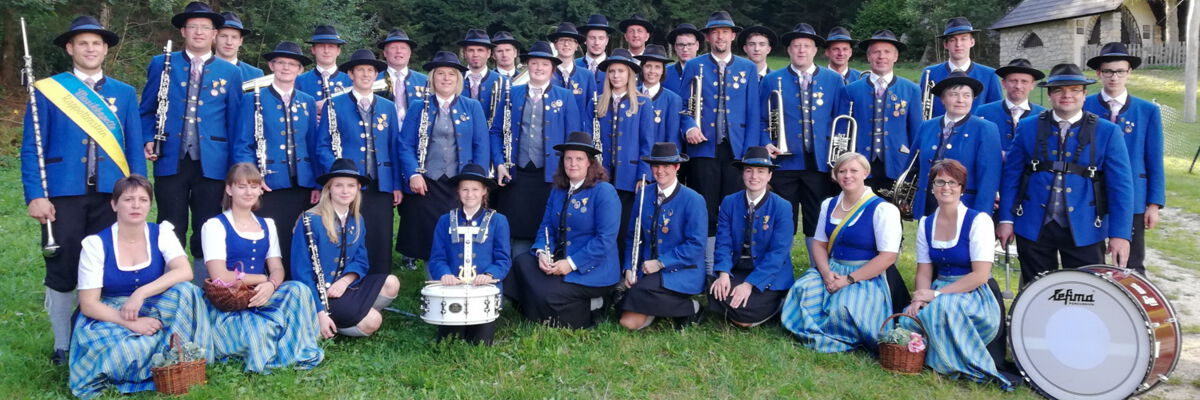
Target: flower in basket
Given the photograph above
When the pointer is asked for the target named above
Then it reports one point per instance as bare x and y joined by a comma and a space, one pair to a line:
899, 336
191, 352
916, 342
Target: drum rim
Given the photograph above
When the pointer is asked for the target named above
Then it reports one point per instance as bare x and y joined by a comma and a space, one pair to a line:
1145, 316
488, 318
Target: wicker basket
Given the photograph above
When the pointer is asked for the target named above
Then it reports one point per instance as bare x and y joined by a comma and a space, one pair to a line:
228, 299
177, 378
897, 358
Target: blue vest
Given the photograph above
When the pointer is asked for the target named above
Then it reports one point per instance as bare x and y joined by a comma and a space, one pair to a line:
249, 71
281, 135
66, 158
997, 113
671, 124
742, 105
582, 85
491, 252
982, 73
770, 239
560, 116
1141, 122
1035, 141
351, 244
252, 254
806, 114
490, 86
118, 283
381, 128
583, 227
310, 83
954, 261
893, 120
470, 128
216, 118
673, 233
975, 144
626, 137
854, 242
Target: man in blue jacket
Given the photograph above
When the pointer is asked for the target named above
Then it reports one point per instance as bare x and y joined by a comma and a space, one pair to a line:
958, 38
1017, 78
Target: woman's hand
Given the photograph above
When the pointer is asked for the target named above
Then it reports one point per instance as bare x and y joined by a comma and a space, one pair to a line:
720, 287
630, 277
923, 295
262, 293
449, 280
144, 326
839, 282
338, 288
483, 279
328, 328
132, 307
914, 308
741, 295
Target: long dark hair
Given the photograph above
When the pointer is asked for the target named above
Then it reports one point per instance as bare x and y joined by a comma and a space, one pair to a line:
595, 173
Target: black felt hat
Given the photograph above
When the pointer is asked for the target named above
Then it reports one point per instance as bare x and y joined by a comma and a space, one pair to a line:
473, 172
1066, 75
362, 57
621, 56
684, 29
476, 37
565, 29
957, 78
654, 52
636, 19
326, 34
596, 22
396, 35
289, 50
578, 141
756, 156
541, 49
1020, 66
803, 30
882, 36
957, 25
87, 24
197, 9
444, 59
344, 167
665, 153
1115, 51
744, 35
233, 22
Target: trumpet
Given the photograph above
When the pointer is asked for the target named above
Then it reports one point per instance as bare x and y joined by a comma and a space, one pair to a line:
596, 131
927, 98
905, 189
50, 248
315, 256
844, 142
423, 134
775, 123
334, 133
696, 102
164, 86
260, 139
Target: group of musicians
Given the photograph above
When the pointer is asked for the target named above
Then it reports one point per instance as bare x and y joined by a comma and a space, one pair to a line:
619, 180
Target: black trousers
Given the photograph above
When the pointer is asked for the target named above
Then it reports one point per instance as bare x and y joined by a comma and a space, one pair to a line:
523, 201
75, 217
419, 216
627, 203
714, 178
189, 192
549, 298
760, 306
879, 179
998, 345
1137, 246
1053, 242
285, 206
901, 297
378, 220
804, 190
473, 334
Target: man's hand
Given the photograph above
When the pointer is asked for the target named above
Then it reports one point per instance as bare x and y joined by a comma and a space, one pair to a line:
695, 137
42, 210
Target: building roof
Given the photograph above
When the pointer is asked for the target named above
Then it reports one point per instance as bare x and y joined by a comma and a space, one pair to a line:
1035, 11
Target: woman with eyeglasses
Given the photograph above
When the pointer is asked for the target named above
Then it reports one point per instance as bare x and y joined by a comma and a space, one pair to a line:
961, 136
961, 315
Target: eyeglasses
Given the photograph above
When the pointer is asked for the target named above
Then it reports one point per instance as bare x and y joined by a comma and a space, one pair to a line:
285, 63
943, 183
201, 28
1109, 73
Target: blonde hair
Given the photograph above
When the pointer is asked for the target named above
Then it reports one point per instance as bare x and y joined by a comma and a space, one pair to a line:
631, 92
458, 77
325, 210
848, 157
241, 172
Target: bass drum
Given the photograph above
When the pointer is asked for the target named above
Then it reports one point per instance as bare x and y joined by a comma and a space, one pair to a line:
460, 304
1096, 332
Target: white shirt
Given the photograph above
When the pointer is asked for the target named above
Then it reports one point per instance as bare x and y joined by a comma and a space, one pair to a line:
566, 68
1023, 106
652, 91
587, 59
886, 221
212, 238
887, 78
982, 236
762, 71
956, 67
91, 258
811, 70
444, 101
1073, 119
1121, 99
669, 190
618, 96
507, 72
331, 70
359, 96
203, 57
949, 121
398, 75
575, 186
726, 60
283, 93
545, 88
841, 72
755, 200
83, 77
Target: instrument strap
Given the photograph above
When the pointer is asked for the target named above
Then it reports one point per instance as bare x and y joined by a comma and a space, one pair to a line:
88, 110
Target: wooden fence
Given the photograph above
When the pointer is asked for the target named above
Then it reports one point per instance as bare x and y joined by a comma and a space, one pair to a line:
1155, 54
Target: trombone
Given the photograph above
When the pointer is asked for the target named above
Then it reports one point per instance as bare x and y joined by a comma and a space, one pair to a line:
842, 143
775, 122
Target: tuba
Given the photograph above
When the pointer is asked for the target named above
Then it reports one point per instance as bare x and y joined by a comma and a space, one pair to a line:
775, 122
905, 190
927, 98
842, 143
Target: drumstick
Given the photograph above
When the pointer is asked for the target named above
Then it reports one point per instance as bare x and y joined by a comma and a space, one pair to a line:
1008, 294
492, 281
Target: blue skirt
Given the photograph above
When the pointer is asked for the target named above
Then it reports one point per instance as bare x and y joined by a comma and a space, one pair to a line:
281, 333
848, 318
106, 354
960, 326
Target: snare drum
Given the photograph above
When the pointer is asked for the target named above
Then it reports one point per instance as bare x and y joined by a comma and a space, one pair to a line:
1096, 332
460, 304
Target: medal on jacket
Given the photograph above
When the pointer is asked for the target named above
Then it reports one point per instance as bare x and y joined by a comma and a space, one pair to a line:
658, 116
665, 221
583, 209
820, 98
765, 219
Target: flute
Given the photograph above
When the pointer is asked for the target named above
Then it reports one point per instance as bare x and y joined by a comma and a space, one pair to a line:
50, 247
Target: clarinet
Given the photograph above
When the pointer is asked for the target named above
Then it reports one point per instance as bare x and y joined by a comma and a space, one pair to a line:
507, 125
164, 86
314, 255
50, 248
334, 134
637, 227
596, 131
260, 139
423, 135
491, 114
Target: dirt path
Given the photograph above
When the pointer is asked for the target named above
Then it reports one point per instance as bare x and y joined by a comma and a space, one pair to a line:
1180, 285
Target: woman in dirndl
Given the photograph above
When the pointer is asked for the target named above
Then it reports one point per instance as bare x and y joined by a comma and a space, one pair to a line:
490, 247
441, 134
954, 264
841, 302
134, 295
279, 328
349, 301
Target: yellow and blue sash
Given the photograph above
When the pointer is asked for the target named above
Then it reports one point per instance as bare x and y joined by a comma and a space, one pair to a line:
89, 111
854, 213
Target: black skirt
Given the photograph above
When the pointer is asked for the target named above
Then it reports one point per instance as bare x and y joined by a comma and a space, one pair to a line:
550, 298
760, 306
648, 296
523, 201
356, 302
419, 216
378, 221
285, 206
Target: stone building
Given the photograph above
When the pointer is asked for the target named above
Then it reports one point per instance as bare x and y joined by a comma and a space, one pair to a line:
1049, 32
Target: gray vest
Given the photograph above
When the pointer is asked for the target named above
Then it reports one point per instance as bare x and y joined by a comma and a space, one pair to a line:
531, 142
1056, 209
191, 140
442, 154
877, 123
